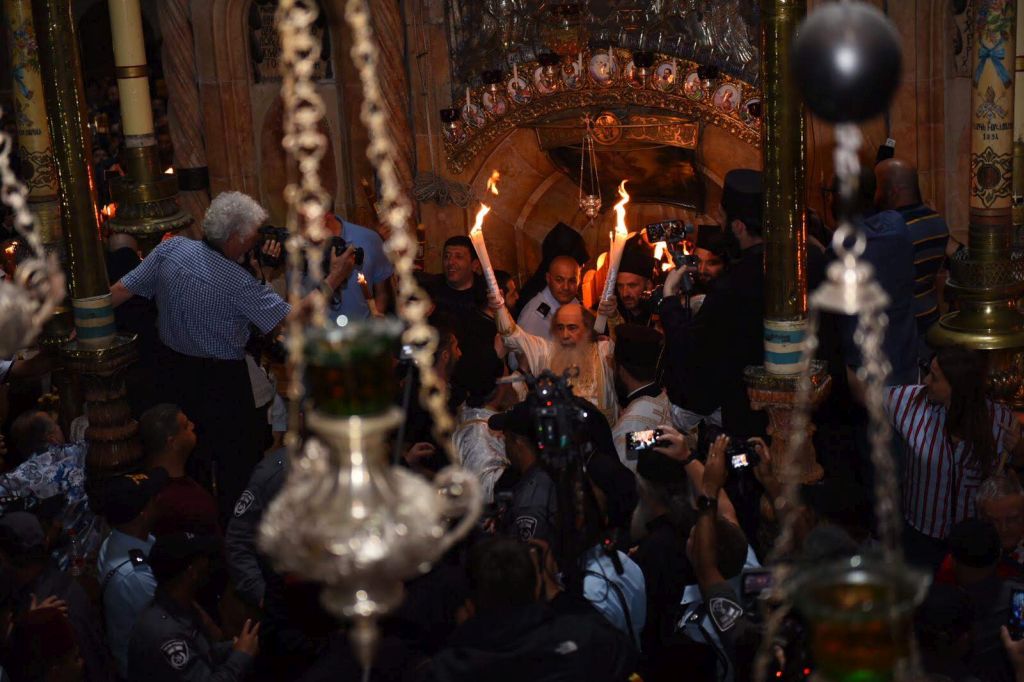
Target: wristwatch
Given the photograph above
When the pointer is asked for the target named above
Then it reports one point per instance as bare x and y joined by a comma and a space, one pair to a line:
705, 503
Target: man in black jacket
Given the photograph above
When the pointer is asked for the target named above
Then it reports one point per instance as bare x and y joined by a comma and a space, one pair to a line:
712, 347
511, 634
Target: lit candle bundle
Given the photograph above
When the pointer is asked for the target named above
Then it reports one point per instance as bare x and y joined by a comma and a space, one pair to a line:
618, 244
368, 296
476, 235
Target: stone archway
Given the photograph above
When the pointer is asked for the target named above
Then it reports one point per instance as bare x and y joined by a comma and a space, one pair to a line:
535, 195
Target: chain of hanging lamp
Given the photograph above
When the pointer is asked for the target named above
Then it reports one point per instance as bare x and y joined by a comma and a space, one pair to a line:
308, 201
850, 289
38, 288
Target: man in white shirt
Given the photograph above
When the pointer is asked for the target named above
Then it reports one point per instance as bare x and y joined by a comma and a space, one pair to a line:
644, 403
563, 280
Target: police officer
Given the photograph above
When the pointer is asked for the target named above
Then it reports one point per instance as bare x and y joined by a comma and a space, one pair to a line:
127, 583
243, 558
169, 642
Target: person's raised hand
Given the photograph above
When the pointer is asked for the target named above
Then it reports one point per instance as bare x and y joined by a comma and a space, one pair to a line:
715, 472
341, 266
672, 280
418, 452
1014, 651
248, 640
494, 301
51, 602
672, 444
609, 308
764, 470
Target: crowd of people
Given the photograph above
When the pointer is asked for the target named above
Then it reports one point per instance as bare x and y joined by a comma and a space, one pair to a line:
632, 492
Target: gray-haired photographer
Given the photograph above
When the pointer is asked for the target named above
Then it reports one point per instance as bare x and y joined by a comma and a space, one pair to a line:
209, 299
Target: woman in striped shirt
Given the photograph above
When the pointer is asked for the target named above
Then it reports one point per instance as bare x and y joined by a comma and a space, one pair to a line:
955, 438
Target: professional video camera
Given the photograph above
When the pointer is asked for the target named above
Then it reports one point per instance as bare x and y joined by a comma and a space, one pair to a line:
556, 415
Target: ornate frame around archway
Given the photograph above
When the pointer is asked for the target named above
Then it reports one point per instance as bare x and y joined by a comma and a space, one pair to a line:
468, 140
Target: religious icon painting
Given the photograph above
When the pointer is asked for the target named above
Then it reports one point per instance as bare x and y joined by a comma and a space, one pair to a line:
454, 134
473, 115
630, 75
727, 98
572, 75
750, 112
693, 86
519, 90
494, 103
603, 68
544, 84
665, 75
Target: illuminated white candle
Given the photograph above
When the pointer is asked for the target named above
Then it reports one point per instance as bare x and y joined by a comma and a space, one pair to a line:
615, 249
476, 235
515, 72
467, 96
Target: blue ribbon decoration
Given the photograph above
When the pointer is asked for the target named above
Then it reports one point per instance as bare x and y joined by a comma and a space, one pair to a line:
994, 54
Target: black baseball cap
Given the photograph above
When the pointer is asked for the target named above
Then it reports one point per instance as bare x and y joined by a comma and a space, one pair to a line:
518, 419
172, 554
22, 536
125, 496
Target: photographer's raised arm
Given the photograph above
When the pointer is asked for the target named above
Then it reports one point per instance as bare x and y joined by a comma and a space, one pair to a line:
704, 539
502, 317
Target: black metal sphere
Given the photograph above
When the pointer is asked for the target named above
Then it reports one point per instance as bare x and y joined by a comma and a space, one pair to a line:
846, 59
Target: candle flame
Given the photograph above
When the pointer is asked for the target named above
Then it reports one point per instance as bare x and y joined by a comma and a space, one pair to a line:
11, 249
659, 250
110, 210
492, 187
361, 278
169, 171
479, 224
620, 212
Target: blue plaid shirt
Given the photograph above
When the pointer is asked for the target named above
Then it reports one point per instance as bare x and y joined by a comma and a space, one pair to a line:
205, 302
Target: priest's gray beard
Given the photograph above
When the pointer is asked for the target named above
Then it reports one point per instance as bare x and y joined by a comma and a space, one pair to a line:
584, 357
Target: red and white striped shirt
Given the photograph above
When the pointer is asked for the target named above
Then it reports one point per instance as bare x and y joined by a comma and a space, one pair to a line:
940, 479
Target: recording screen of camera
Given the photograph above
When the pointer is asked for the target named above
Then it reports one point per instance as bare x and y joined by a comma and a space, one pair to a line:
740, 461
1016, 624
756, 582
642, 440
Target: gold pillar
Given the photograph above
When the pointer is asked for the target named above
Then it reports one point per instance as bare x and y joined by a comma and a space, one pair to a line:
986, 279
1018, 140
35, 149
145, 196
773, 386
785, 229
98, 354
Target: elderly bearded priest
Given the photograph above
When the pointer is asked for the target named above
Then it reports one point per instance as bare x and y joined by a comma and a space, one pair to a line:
572, 344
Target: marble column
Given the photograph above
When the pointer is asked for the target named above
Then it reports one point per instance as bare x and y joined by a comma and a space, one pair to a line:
986, 278
145, 196
183, 109
98, 354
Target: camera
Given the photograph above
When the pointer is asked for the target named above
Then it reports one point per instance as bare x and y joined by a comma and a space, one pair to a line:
668, 231
638, 441
740, 456
556, 416
337, 246
270, 233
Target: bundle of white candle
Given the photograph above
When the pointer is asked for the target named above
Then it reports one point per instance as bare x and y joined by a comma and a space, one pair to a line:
618, 244
476, 235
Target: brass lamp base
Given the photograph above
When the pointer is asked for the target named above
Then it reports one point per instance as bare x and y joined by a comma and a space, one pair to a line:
147, 206
988, 320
